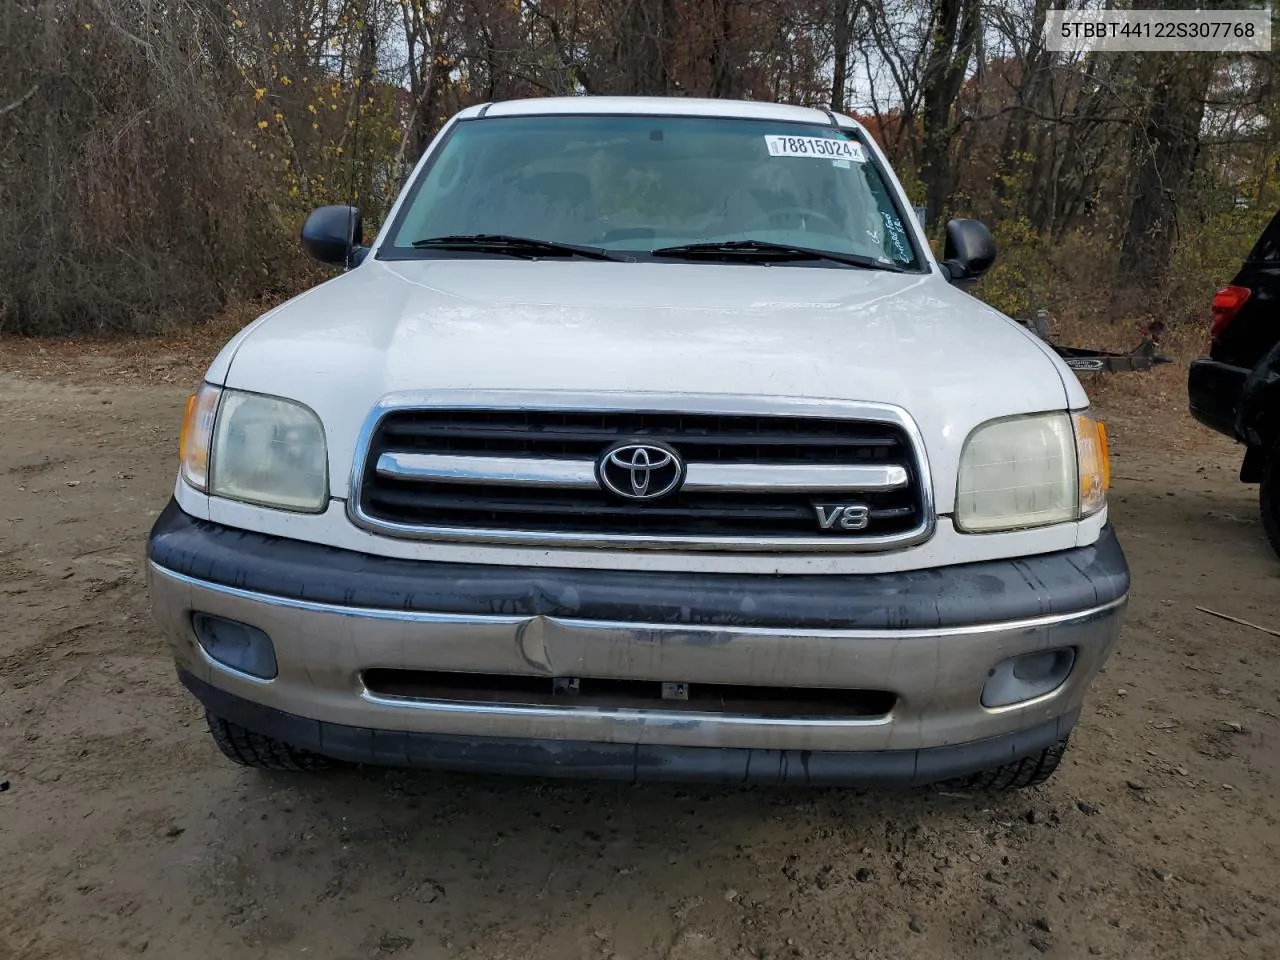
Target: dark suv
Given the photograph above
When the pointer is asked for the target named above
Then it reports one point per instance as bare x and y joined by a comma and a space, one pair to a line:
1236, 390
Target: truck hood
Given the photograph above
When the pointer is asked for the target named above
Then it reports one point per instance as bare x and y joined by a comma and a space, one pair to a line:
906, 339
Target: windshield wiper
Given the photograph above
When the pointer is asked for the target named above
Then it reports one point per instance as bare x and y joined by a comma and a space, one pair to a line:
762, 251
514, 246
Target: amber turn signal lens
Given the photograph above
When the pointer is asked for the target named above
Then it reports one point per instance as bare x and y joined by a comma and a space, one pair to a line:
197, 433
186, 427
1094, 460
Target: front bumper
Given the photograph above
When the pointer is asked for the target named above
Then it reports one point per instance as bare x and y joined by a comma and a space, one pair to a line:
928, 637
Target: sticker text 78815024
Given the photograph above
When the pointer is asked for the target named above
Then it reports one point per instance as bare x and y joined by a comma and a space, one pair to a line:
820, 148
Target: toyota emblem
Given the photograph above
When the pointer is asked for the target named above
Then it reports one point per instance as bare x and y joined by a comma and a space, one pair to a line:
640, 471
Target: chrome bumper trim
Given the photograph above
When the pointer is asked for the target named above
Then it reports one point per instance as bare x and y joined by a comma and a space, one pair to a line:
417, 616
670, 718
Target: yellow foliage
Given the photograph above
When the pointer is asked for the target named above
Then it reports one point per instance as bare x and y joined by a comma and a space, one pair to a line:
1022, 275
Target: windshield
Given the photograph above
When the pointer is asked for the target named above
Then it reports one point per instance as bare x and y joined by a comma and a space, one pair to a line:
635, 184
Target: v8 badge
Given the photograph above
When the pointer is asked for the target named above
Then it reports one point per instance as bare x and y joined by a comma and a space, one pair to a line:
843, 516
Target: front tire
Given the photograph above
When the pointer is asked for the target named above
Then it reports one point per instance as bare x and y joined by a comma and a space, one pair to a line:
251, 749
1028, 772
1269, 496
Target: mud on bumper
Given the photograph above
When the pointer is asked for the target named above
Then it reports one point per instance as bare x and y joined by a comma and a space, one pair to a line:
920, 644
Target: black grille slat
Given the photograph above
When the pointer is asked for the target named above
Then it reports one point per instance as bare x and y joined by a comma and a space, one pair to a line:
702, 438
485, 432
671, 509
443, 497
672, 517
577, 435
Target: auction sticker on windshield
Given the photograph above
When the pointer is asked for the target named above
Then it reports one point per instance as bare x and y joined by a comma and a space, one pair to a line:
824, 148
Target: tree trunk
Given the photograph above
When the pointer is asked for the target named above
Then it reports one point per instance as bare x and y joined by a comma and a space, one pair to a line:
643, 48
955, 30
1013, 192
840, 55
722, 66
1166, 142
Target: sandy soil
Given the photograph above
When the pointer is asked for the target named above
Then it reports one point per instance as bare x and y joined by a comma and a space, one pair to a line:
123, 832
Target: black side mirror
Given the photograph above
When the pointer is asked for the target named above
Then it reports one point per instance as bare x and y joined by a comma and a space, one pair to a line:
334, 235
970, 251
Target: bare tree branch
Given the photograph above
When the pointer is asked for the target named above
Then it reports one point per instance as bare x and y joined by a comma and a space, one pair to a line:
20, 101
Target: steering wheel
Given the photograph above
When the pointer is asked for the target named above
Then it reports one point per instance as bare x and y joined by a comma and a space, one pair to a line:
804, 214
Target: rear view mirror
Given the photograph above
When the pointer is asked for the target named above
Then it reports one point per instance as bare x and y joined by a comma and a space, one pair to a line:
334, 235
970, 251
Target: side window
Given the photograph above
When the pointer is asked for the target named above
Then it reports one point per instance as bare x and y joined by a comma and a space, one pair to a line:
1268, 247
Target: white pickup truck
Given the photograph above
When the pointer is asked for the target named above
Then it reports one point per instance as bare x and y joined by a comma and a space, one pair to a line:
647, 440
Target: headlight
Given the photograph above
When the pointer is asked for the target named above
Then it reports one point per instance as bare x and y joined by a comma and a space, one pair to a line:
1032, 471
257, 449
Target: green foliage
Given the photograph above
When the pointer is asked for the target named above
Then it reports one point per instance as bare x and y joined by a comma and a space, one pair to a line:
1023, 275
1218, 225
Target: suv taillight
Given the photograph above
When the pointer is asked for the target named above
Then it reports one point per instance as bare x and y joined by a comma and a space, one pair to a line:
1226, 304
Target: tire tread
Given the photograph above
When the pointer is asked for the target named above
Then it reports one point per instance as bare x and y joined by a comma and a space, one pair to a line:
251, 749
1028, 772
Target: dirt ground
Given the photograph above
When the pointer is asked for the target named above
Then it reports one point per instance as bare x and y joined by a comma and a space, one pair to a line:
123, 832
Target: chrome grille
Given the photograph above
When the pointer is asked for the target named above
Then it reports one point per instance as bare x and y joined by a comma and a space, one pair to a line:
527, 474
